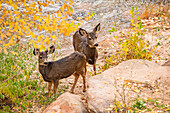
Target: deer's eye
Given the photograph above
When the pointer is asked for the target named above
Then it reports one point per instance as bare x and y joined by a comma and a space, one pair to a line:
89, 38
41, 57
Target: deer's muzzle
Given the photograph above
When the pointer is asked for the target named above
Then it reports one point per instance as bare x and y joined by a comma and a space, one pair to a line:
96, 44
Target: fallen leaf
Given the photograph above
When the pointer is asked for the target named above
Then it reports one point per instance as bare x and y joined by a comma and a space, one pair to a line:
5, 51
14, 52
137, 90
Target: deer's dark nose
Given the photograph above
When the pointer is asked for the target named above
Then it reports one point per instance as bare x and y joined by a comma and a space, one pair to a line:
96, 44
90, 61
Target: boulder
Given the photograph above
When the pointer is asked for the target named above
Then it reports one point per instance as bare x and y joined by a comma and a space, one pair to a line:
166, 63
126, 80
67, 103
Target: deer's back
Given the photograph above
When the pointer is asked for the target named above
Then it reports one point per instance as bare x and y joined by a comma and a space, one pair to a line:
66, 66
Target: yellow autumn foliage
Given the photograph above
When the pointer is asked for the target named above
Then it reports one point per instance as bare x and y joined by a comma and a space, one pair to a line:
17, 23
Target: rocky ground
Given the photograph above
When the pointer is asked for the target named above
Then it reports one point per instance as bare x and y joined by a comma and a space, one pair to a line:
120, 84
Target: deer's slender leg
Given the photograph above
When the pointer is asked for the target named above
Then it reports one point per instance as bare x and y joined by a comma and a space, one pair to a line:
49, 87
56, 82
84, 81
94, 68
84, 78
83, 74
76, 75
85, 67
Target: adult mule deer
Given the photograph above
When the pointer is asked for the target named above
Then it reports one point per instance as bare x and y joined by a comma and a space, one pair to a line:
85, 42
53, 71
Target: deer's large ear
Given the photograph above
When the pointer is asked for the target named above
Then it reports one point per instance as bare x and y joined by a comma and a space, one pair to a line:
83, 32
36, 51
52, 49
97, 28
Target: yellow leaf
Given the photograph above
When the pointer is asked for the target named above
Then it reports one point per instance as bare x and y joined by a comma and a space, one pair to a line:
35, 45
73, 29
5, 51
38, 39
40, 20
81, 21
86, 18
69, 13
32, 35
6, 45
116, 37
137, 90
20, 32
53, 36
43, 25
62, 8
71, 2
57, 19
11, 40
32, 41
3, 36
79, 18
67, 34
63, 18
47, 20
19, 37
42, 47
149, 98
16, 26
35, 17
65, 5
131, 21
168, 110
77, 27
14, 52
130, 12
59, 14
45, 28
52, 2
47, 40
24, 4
37, 10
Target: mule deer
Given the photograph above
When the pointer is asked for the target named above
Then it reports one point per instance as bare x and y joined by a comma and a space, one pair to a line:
85, 43
53, 71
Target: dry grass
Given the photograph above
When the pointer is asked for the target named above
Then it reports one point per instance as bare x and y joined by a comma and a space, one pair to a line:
155, 10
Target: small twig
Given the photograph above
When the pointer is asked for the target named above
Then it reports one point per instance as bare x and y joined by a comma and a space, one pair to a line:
121, 95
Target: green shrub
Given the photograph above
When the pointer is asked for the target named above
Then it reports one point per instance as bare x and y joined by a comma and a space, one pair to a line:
147, 105
16, 69
133, 46
20, 89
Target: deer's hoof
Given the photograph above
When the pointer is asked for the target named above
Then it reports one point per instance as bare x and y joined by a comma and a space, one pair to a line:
84, 90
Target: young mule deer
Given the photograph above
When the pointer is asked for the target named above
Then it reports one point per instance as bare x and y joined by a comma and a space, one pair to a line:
85, 43
53, 71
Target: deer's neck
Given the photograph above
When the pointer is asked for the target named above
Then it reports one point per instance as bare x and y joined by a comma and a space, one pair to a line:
43, 69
